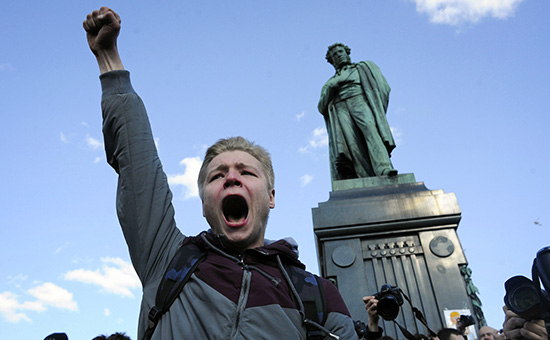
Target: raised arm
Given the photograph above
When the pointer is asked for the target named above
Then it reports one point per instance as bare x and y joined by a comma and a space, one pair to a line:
102, 29
144, 199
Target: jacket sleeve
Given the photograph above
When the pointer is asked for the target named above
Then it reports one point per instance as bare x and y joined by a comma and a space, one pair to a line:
144, 200
339, 320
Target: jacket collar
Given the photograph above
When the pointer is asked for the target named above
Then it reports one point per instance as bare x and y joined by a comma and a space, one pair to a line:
286, 248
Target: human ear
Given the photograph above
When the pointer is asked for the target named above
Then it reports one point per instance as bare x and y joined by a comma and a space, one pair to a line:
272, 199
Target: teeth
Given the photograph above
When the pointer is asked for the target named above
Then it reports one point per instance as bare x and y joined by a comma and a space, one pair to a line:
235, 208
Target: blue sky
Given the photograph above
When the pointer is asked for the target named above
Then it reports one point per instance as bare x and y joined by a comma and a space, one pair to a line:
468, 109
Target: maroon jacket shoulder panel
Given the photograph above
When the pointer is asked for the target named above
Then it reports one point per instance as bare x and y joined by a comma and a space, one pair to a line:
335, 302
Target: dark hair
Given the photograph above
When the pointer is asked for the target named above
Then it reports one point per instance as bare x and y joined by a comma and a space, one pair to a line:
57, 336
327, 56
420, 336
445, 333
114, 336
118, 336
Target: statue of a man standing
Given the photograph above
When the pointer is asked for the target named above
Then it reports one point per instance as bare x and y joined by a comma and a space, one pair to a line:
354, 103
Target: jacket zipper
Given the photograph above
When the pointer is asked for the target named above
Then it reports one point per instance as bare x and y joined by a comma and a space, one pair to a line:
243, 297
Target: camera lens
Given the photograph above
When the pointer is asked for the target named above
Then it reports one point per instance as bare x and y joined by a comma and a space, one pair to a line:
525, 298
522, 297
388, 308
389, 299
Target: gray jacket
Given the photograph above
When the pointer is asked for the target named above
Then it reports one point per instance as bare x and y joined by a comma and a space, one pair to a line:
223, 299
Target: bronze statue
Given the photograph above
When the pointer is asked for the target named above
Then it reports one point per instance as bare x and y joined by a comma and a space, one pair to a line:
354, 103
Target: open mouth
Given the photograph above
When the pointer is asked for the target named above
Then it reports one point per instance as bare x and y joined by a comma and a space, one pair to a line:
235, 209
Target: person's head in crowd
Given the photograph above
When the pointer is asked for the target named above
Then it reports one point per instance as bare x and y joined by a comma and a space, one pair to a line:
487, 333
420, 336
450, 334
57, 336
114, 336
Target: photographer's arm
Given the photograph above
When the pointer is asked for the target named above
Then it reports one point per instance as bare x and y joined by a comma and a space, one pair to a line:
374, 331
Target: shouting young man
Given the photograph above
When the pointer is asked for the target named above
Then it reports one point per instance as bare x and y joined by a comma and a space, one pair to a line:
242, 289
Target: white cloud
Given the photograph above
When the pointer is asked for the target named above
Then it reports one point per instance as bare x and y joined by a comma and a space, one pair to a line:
17, 279
189, 178
301, 115
63, 138
60, 248
303, 149
52, 295
93, 143
106, 312
319, 138
456, 12
305, 180
46, 294
10, 308
116, 276
397, 135
97, 160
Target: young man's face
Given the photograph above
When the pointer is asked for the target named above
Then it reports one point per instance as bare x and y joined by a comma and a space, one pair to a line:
236, 199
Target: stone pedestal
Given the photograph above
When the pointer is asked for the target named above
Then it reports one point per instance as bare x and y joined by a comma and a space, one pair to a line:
394, 230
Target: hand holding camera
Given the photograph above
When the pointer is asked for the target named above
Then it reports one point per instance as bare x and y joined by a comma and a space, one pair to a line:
515, 327
527, 309
371, 304
387, 303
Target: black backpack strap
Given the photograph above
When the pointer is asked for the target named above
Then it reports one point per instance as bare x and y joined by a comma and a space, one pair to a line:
183, 264
312, 295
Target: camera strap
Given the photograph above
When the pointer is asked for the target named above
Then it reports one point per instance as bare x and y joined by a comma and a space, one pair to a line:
545, 309
420, 316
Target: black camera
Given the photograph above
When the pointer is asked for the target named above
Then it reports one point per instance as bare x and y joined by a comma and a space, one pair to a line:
525, 297
389, 299
464, 321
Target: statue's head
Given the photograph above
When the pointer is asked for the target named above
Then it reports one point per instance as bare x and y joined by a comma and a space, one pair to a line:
338, 55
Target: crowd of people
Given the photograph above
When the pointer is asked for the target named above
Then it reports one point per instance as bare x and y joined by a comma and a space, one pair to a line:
241, 280
114, 336
514, 328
